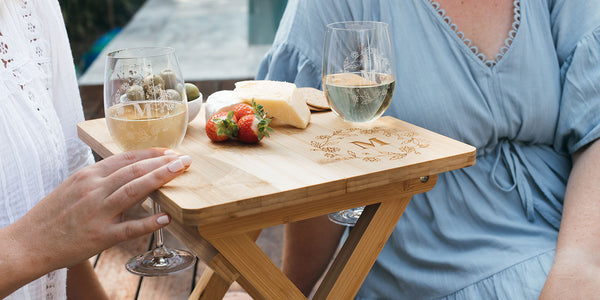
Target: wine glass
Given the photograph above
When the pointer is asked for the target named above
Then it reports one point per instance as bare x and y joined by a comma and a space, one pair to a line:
358, 78
146, 106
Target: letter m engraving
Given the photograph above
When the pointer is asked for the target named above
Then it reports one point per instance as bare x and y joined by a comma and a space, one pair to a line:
371, 143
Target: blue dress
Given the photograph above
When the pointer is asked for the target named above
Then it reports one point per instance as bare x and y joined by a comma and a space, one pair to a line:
488, 231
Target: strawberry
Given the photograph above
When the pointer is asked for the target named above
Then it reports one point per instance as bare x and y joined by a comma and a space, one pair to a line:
252, 128
242, 109
221, 126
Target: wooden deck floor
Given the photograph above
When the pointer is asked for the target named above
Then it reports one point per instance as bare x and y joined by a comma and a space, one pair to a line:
120, 284
109, 265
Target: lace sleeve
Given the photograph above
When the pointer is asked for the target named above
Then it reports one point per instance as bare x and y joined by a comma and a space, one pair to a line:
65, 93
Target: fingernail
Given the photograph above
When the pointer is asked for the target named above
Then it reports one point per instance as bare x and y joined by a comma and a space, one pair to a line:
169, 152
186, 160
163, 220
176, 166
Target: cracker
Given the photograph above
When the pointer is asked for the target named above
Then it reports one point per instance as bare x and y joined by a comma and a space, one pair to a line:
315, 99
318, 109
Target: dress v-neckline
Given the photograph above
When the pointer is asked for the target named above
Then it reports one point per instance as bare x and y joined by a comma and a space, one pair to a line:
468, 45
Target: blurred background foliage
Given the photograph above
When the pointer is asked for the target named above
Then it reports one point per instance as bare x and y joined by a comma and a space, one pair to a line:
92, 23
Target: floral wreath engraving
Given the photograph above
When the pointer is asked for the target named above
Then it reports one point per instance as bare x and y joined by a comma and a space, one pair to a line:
364, 59
368, 144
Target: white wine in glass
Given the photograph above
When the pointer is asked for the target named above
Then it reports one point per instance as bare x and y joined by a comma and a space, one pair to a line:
359, 78
146, 106
145, 124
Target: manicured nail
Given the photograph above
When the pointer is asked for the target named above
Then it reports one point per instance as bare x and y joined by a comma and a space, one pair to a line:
186, 160
169, 152
163, 220
176, 166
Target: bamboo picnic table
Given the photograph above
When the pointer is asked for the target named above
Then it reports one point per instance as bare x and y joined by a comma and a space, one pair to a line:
232, 191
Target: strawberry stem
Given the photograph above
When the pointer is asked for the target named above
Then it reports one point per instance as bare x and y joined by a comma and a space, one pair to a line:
226, 125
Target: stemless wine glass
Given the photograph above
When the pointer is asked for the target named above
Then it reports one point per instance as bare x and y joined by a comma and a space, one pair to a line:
146, 106
358, 78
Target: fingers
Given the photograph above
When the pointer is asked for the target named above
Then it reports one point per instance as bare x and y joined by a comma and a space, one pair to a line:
135, 228
135, 170
115, 162
137, 189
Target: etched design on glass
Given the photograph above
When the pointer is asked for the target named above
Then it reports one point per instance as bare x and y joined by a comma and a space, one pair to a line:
366, 59
371, 145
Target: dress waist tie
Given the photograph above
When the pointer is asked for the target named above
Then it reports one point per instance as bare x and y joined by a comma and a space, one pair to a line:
514, 161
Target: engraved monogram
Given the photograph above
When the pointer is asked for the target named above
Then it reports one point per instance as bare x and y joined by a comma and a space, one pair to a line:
371, 143
374, 144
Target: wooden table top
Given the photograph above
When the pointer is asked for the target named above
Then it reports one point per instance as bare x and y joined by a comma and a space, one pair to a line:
329, 158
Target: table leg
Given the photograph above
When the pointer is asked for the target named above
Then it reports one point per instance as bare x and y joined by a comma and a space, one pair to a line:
218, 277
213, 285
249, 288
359, 252
256, 267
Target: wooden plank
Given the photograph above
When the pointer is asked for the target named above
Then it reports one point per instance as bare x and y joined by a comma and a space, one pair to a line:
359, 252
116, 280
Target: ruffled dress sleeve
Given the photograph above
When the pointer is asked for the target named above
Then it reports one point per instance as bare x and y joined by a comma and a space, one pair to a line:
285, 63
295, 55
579, 118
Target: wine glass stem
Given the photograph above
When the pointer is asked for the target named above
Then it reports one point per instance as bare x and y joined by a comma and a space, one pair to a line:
158, 235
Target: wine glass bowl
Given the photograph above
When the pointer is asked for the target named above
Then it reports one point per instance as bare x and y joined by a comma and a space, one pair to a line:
358, 78
144, 98
145, 104
358, 69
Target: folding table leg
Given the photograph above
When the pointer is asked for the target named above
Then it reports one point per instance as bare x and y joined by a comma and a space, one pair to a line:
249, 288
218, 277
256, 267
215, 280
359, 252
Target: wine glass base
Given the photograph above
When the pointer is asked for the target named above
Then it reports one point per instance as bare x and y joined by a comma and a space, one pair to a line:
169, 261
346, 217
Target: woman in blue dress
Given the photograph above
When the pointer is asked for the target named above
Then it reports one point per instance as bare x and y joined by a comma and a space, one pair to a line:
518, 80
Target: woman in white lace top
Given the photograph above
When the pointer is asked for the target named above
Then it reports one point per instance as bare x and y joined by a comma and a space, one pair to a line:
49, 218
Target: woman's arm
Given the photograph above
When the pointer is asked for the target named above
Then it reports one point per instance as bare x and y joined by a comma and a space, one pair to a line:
82, 216
576, 270
82, 283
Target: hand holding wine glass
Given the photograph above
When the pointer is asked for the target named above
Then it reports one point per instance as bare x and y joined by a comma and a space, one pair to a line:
146, 106
81, 217
358, 78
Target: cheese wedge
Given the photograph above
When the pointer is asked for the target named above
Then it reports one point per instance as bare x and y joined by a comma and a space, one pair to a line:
220, 101
280, 100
